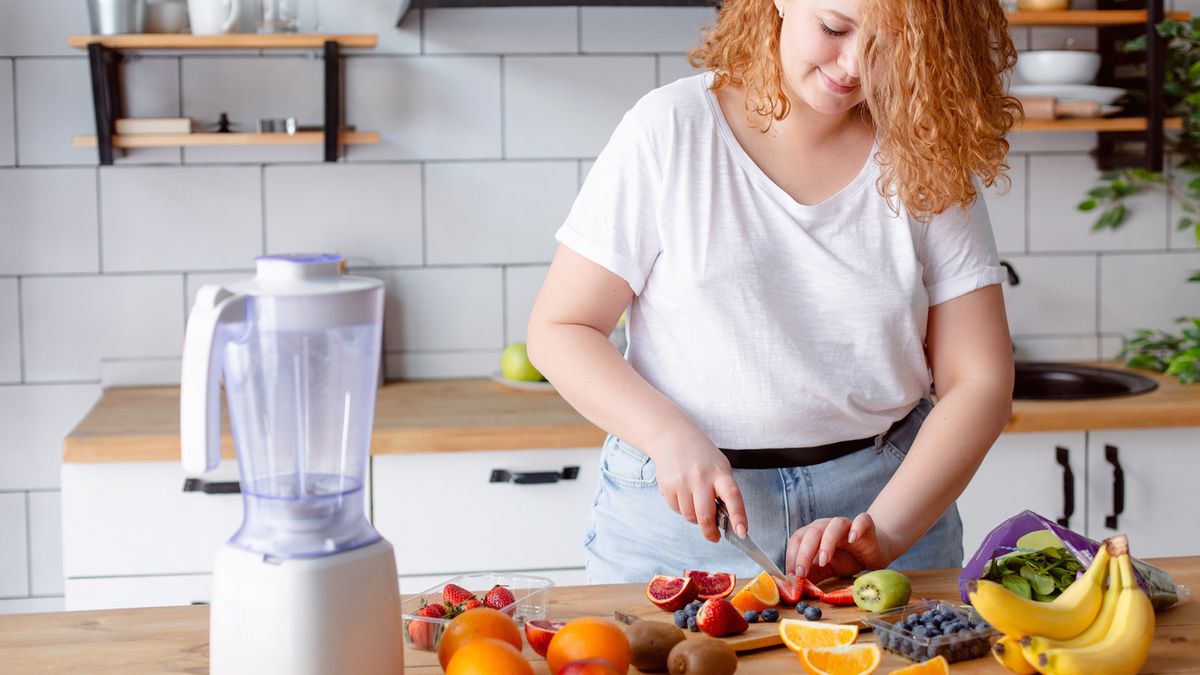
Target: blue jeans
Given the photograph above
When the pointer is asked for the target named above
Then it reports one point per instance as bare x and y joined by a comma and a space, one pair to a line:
632, 533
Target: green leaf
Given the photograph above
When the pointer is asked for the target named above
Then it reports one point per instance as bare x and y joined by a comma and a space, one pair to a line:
1184, 223
1119, 212
1195, 277
1089, 205
1018, 585
1110, 175
1147, 175
1045, 597
1042, 584
1103, 192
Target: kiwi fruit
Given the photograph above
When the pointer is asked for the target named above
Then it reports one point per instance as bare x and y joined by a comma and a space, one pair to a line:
881, 590
702, 656
650, 643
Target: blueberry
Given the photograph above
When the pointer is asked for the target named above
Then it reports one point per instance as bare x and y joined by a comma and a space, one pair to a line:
751, 616
681, 617
801, 607
691, 624
921, 632
982, 628
812, 613
949, 614
770, 615
910, 619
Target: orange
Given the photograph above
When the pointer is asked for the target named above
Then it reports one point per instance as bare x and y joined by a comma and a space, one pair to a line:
588, 638
798, 634
848, 660
757, 595
488, 656
481, 622
938, 665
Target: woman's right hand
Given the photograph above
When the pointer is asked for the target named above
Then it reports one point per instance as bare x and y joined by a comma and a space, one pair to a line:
692, 475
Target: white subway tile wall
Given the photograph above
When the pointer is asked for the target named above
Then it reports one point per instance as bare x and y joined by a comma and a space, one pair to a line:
489, 120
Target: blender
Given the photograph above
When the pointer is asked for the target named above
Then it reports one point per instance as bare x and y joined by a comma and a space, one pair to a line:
306, 584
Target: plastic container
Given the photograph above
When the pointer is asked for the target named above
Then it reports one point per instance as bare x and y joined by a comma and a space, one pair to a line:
894, 634
530, 598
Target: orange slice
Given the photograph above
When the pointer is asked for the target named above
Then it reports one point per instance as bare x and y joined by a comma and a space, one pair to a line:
799, 635
938, 665
757, 595
848, 660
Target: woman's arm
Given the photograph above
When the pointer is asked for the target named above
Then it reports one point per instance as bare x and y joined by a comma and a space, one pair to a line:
575, 311
970, 353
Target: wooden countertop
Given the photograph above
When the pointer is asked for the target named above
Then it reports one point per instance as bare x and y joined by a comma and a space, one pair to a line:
175, 639
142, 424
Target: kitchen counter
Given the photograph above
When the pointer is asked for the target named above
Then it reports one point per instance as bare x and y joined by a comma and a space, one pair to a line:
142, 424
175, 639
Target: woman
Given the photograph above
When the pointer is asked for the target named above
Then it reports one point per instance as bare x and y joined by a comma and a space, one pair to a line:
799, 239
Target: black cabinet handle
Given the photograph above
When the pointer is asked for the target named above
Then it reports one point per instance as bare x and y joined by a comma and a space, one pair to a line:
222, 488
1063, 456
533, 477
1110, 454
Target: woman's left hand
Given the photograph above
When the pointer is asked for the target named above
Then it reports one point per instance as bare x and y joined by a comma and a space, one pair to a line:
837, 547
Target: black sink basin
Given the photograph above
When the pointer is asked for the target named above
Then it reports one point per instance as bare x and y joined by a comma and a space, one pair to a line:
1066, 382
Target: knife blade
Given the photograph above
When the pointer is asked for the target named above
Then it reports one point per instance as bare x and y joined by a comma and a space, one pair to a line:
746, 544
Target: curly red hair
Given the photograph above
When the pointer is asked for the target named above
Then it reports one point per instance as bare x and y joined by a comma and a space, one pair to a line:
932, 75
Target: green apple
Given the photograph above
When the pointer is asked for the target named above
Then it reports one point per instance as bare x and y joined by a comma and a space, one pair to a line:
515, 365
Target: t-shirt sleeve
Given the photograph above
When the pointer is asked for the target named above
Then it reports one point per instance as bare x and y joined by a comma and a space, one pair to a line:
614, 221
958, 252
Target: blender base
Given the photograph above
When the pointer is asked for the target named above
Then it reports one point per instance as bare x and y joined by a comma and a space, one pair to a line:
334, 614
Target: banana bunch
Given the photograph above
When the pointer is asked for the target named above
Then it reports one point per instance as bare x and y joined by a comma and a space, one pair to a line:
1088, 629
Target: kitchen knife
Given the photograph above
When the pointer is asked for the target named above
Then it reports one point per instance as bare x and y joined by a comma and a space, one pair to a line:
746, 544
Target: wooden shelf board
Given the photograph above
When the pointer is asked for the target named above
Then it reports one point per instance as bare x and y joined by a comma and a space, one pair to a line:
1082, 17
168, 140
1098, 124
232, 41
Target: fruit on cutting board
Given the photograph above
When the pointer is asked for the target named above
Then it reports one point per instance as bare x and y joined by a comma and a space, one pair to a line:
1064, 617
791, 590
588, 638
841, 597
719, 618
711, 584
881, 590
798, 634
488, 656
938, 665
481, 622
650, 643
1007, 651
857, 659
1125, 645
670, 593
702, 656
539, 632
758, 594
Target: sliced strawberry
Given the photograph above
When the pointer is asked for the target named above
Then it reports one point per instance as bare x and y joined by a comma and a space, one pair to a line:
471, 603
842, 597
454, 594
790, 589
811, 590
424, 633
719, 618
499, 598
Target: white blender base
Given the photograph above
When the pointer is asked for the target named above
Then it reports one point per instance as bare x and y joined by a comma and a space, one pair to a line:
335, 614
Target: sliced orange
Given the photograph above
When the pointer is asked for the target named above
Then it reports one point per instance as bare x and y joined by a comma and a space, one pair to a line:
799, 634
848, 660
938, 665
757, 595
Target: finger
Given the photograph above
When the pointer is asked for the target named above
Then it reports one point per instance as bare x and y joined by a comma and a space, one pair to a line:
706, 515
670, 498
685, 506
807, 550
793, 545
832, 539
862, 527
728, 491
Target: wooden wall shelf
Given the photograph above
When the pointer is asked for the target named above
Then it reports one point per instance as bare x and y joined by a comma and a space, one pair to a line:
233, 41
1102, 124
219, 139
1087, 17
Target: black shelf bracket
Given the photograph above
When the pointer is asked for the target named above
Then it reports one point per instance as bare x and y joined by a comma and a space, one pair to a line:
106, 96
1143, 76
333, 99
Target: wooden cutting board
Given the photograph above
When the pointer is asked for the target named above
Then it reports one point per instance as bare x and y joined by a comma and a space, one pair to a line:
759, 635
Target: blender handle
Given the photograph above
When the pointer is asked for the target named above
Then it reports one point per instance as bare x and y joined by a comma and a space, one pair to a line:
200, 384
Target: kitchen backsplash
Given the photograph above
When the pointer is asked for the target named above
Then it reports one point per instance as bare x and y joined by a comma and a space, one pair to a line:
489, 120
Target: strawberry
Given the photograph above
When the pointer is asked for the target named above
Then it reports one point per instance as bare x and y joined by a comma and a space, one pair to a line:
453, 594
471, 603
842, 597
812, 590
499, 598
424, 633
719, 618
790, 589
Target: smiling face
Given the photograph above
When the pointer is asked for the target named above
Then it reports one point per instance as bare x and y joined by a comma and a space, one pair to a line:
818, 50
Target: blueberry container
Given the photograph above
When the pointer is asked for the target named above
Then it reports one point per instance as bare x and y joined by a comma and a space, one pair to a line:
923, 630
530, 596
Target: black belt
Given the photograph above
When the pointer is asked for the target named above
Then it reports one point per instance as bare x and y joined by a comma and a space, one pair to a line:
780, 458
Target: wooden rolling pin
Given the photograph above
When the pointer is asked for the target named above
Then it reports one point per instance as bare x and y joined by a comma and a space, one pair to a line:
1049, 108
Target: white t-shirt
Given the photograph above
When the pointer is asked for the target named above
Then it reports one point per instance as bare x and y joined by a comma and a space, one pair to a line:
771, 323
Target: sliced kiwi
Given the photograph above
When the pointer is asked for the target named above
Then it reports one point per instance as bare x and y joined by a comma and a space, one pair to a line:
881, 590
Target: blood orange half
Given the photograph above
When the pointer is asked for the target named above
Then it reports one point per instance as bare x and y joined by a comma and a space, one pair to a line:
711, 584
670, 593
539, 632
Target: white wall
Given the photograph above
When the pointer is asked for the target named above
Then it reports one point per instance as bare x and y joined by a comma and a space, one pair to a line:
489, 118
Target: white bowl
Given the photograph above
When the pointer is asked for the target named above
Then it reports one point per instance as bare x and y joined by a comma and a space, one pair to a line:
1058, 67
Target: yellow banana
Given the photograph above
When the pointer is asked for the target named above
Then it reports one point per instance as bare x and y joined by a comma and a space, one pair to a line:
1127, 643
1032, 646
1064, 617
1007, 651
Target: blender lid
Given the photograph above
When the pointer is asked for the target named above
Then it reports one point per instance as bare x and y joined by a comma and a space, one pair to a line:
301, 274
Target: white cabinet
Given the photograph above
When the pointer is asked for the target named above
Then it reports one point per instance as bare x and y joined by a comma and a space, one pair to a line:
1159, 473
149, 591
449, 512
